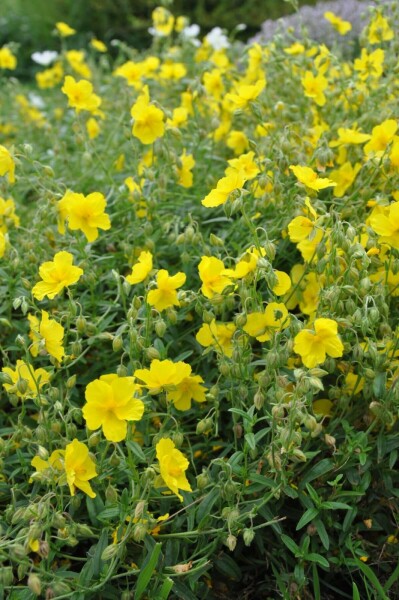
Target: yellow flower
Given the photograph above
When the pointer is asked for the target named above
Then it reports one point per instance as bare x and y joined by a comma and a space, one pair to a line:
163, 21
211, 272
217, 335
92, 128
313, 346
314, 87
370, 64
148, 119
35, 379
7, 164
84, 212
163, 375
79, 468
246, 94
172, 70
295, 49
132, 72
7, 59
379, 30
55, 462
3, 243
141, 269
213, 83
224, 188
244, 165
172, 466
237, 141
110, 403
47, 334
50, 77
283, 283
246, 264
165, 295
343, 27
310, 179
76, 58
344, 177
185, 175
349, 136
381, 136
7, 214
179, 117
56, 275
98, 45
262, 325
64, 29
188, 389
386, 224
80, 94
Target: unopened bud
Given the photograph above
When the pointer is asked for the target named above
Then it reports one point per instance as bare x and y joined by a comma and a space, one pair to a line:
139, 532
231, 542
140, 509
34, 584
248, 536
109, 552
152, 353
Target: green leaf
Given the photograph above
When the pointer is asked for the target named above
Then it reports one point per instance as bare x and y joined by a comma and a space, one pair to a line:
307, 516
241, 413
136, 450
109, 513
318, 470
379, 385
250, 439
322, 532
371, 576
165, 589
205, 506
316, 583
355, 592
317, 558
291, 545
228, 567
336, 506
313, 494
146, 572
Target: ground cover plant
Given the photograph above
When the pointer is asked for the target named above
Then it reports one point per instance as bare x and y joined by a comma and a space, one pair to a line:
198, 327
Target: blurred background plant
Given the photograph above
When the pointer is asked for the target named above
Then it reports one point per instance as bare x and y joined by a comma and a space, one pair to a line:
31, 24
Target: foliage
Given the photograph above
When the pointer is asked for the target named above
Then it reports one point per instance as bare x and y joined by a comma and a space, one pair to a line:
198, 329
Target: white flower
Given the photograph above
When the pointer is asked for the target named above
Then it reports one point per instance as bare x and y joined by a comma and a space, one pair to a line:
36, 100
191, 31
217, 39
44, 58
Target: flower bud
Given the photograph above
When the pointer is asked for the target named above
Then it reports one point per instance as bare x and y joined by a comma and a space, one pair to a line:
6, 576
248, 536
111, 494
121, 371
109, 552
81, 324
117, 343
152, 353
22, 385
139, 532
231, 542
204, 426
202, 480
140, 509
160, 328
34, 584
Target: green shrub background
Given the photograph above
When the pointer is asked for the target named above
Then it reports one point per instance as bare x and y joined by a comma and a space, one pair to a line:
31, 22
